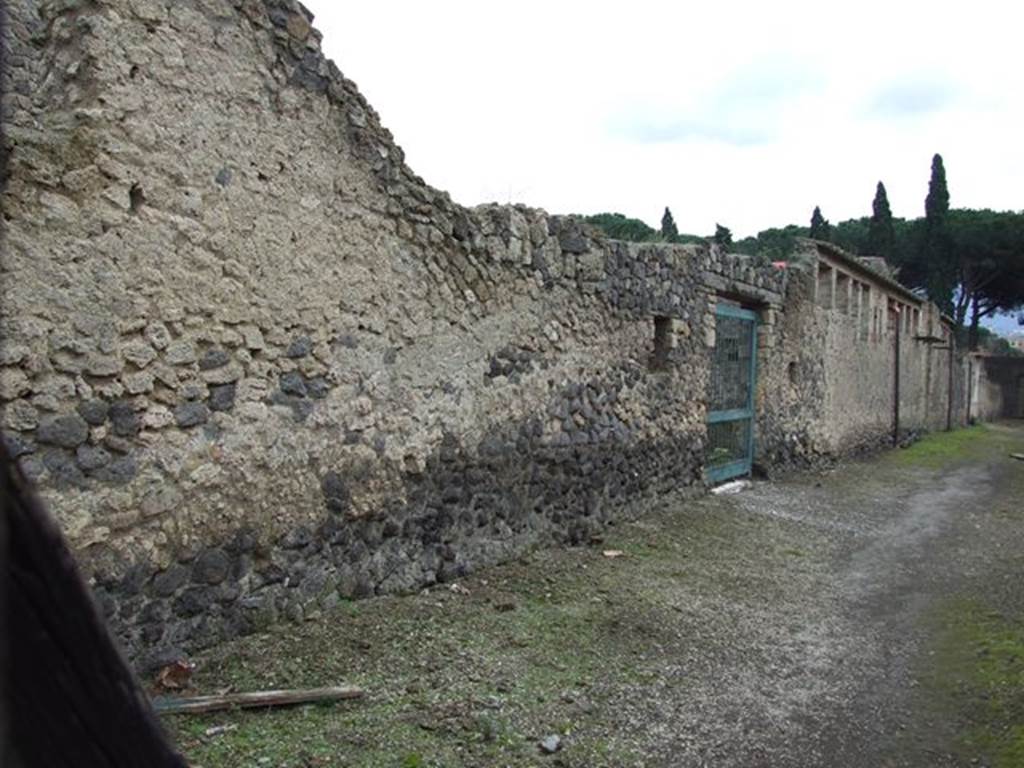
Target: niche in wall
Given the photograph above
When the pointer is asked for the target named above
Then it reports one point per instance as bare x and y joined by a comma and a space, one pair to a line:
662, 343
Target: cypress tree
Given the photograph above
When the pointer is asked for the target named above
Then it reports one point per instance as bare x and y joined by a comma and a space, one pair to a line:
669, 231
881, 235
936, 205
820, 228
722, 236
936, 256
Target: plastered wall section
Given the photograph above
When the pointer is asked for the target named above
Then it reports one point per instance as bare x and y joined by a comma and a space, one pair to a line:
829, 387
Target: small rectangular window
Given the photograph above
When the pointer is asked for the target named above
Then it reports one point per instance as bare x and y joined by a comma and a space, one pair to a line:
865, 312
662, 343
843, 292
825, 286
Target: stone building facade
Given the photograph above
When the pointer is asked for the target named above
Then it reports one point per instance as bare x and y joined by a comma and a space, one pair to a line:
256, 365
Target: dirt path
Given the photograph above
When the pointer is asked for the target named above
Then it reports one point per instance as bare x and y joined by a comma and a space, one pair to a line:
869, 616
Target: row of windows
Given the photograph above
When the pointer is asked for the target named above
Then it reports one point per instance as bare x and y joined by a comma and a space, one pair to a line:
863, 303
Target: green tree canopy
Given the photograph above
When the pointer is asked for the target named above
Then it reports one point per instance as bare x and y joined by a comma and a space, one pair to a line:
987, 250
722, 236
621, 227
775, 244
852, 235
618, 226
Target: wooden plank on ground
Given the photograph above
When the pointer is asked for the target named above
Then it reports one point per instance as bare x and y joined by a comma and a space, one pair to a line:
172, 705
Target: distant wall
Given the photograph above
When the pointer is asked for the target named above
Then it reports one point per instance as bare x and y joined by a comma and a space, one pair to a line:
997, 388
256, 364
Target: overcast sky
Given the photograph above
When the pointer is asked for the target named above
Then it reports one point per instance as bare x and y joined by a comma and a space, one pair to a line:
743, 113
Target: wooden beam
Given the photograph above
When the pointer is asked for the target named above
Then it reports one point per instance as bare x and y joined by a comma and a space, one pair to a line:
174, 705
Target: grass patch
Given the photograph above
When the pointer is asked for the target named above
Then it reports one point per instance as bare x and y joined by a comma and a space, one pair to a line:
993, 441
977, 669
939, 448
451, 679
553, 643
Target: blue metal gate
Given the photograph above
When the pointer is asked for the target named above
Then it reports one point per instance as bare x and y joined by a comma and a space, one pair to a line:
730, 450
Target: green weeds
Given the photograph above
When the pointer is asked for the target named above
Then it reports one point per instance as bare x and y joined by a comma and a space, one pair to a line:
977, 668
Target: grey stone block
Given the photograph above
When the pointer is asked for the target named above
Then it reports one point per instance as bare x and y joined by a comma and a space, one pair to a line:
67, 431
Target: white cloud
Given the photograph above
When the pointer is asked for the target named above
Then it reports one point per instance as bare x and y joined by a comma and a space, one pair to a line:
740, 113
912, 98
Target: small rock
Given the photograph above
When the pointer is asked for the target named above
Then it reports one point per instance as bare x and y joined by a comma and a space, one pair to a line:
94, 411
119, 471
138, 383
158, 335
214, 358
117, 444
91, 457
139, 354
550, 744
156, 659
194, 390
13, 383
225, 374
297, 27
67, 431
252, 336
317, 387
180, 353
293, 610
335, 492
103, 365
124, 419
297, 538
293, 384
160, 500
20, 415
194, 600
222, 398
191, 414
211, 567
157, 417
300, 347
12, 354
63, 470
16, 446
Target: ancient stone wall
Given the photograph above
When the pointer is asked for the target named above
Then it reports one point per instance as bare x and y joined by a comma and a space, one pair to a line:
829, 387
997, 388
256, 365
